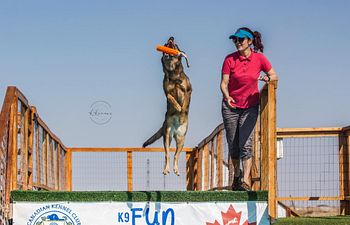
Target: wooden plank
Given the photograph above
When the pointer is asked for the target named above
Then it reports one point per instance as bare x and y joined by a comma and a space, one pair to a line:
263, 142
344, 175
6, 130
212, 165
38, 159
24, 149
206, 166
289, 211
308, 132
128, 149
43, 158
37, 147
189, 171
308, 198
219, 160
311, 135
14, 146
68, 162
129, 170
59, 165
272, 139
55, 168
10, 147
47, 153
195, 169
30, 148
199, 170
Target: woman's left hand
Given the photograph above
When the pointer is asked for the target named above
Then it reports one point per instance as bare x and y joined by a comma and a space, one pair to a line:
264, 78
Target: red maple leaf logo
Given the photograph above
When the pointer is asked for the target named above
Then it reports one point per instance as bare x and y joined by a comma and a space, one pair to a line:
231, 217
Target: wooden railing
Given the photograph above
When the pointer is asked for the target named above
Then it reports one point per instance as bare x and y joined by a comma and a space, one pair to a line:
31, 156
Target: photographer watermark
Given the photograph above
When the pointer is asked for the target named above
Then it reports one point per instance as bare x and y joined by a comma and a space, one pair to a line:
100, 112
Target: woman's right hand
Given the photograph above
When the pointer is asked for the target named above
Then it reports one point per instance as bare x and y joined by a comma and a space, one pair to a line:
230, 102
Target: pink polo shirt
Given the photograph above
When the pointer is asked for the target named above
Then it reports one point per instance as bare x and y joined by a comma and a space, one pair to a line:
244, 74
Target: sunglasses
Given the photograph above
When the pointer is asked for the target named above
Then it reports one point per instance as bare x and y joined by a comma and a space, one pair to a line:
238, 40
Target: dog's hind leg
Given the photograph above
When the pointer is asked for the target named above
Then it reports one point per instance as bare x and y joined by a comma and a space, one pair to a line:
180, 140
167, 141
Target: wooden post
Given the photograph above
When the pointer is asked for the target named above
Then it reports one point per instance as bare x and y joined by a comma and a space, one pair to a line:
8, 107
199, 170
195, 169
38, 159
344, 173
212, 160
47, 169
10, 149
129, 170
219, 160
30, 148
25, 150
59, 165
68, 163
272, 143
189, 171
264, 142
206, 167
14, 145
268, 178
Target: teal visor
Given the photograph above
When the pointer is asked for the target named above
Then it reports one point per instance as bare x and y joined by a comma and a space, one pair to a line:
242, 34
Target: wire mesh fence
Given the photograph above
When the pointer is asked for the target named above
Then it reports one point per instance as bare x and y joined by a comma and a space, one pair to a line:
311, 174
148, 172
107, 171
99, 171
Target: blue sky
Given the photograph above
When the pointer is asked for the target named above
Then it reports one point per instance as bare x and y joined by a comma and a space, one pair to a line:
65, 55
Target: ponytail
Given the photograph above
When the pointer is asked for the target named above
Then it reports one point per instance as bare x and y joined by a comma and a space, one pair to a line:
257, 43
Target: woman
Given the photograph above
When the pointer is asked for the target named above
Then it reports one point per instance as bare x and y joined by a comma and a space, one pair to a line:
240, 106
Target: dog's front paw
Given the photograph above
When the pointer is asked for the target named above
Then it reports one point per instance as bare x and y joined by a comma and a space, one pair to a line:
177, 107
175, 104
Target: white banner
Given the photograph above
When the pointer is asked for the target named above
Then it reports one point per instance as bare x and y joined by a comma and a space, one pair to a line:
140, 213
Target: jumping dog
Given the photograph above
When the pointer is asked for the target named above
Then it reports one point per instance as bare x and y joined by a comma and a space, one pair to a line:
177, 89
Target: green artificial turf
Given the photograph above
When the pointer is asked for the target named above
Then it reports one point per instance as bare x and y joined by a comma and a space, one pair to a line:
139, 196
336, 220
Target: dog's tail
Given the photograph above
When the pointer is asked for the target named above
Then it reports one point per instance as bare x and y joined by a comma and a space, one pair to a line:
155, 137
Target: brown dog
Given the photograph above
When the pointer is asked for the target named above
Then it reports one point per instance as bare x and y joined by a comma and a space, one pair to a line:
177, 88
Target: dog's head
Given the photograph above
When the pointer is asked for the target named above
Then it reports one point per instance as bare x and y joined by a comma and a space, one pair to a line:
172, 62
